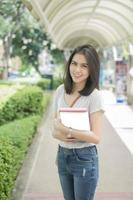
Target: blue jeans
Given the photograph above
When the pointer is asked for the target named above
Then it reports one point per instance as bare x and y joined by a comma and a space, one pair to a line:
78, 172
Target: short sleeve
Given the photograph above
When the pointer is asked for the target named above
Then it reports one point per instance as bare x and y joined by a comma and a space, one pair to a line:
96, 102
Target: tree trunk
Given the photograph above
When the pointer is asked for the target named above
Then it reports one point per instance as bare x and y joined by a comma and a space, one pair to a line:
7, 41
7, 45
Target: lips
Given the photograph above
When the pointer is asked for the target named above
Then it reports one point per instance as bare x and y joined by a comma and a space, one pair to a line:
77, 76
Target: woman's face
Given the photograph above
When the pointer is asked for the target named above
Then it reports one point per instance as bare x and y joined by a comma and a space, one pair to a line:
79, 69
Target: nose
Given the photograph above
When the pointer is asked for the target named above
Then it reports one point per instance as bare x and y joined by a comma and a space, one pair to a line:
78, 68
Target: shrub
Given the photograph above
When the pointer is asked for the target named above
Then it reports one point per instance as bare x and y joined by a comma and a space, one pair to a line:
15, 138
43, 84
7, 169
24, 102
20, 131
57, 81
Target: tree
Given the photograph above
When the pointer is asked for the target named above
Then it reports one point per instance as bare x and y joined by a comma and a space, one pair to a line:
20, 33
57, 55
28, 43
10, 12
22, 36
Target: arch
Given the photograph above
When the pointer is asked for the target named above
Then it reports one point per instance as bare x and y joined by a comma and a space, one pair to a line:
109, 21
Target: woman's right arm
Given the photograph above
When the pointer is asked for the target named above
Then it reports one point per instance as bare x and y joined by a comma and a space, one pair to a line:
59, 131
55, 132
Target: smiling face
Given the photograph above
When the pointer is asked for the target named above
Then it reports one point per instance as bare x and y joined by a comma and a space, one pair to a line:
79, 70
82, 70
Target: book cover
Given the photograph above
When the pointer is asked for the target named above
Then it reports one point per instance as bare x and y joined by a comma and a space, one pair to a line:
77, 118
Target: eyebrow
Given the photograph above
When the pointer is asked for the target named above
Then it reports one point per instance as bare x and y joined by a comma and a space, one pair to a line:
80, 63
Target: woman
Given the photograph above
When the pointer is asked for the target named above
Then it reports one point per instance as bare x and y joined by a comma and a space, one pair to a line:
77, 157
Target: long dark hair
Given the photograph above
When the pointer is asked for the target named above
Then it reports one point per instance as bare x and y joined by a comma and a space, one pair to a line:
93, 62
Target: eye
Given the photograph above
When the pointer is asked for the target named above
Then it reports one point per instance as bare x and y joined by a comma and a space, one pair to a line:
73, 63
85, 66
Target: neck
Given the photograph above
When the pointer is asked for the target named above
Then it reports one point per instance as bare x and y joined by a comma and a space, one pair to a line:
77, 88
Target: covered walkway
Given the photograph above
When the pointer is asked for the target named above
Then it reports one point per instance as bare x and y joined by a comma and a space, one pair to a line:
38, 178
105, 24
69, 23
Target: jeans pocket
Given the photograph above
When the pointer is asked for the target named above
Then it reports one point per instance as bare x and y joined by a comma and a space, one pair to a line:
81, 157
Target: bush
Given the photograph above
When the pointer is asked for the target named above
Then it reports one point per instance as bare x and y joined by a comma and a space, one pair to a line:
15, 138
57, 81
7, 160
24, 102
20, 131
43, 84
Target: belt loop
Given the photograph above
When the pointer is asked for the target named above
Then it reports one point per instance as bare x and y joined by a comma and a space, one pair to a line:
96, 149
59, 148
74, 152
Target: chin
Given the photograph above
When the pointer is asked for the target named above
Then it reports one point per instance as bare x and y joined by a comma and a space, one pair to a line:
78, 80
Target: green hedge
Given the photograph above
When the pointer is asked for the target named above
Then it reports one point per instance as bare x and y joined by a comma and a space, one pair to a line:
7, 160
43, 84
15, 138
24, 102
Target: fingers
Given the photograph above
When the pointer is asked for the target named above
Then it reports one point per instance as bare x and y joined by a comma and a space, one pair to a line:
56, 124
57, 120
70, 140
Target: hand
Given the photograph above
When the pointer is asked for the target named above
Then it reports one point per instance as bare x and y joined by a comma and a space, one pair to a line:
62, 130
58, 125
71, 140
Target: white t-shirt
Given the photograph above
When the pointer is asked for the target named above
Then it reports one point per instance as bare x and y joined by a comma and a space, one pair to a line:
92, 103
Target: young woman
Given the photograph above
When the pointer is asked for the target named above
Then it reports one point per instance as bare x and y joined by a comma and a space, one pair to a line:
77, 157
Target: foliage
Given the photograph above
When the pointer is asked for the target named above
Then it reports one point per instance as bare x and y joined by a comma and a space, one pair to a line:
57, 81
10, 15
43, 84
7, 159
20, 32
22, 36
15, 138
58, 75
57, 55
26, 101
25, 68
29, 43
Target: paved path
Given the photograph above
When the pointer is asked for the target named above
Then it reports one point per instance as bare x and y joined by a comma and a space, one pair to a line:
38, 178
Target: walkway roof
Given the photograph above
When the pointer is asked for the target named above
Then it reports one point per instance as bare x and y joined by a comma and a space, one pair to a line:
73, 22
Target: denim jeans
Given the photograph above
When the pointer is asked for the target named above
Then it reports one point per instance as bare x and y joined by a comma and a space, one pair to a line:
78, 172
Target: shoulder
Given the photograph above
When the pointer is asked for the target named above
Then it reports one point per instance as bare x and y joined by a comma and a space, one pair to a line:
60, 87
96, 101
95, 93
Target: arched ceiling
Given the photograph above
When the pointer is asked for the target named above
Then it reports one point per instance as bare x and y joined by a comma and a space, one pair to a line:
73, 22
